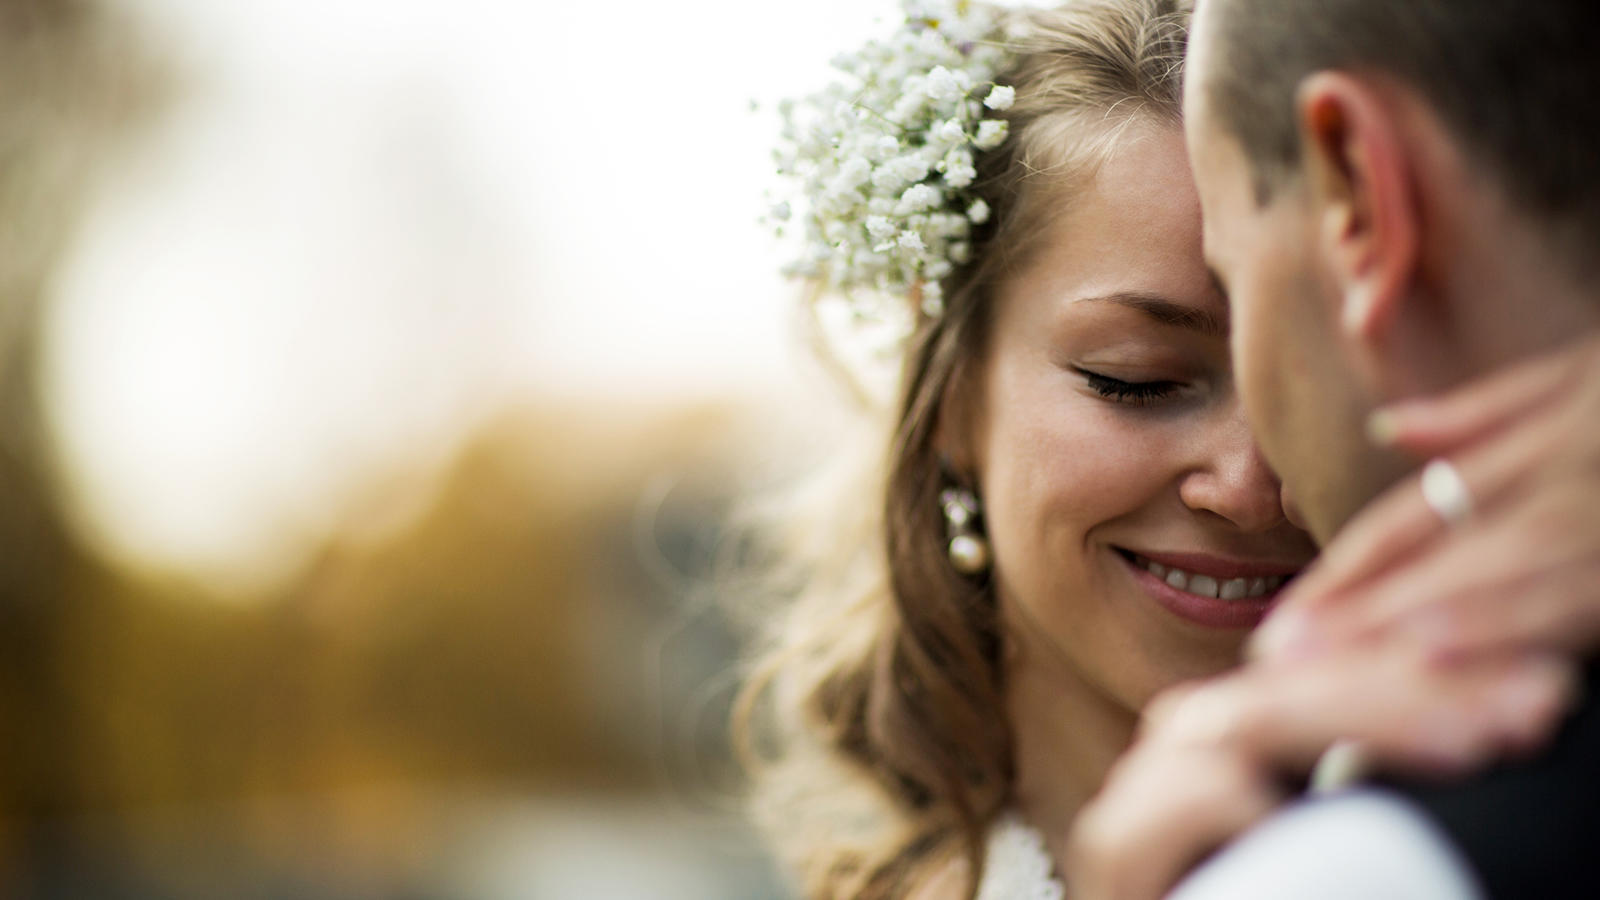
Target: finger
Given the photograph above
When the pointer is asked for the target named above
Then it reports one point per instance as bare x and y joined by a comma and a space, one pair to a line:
1553, 612
1398, 529
1437, 425
1158, 814
1389, 531
1409, 715
1527, 577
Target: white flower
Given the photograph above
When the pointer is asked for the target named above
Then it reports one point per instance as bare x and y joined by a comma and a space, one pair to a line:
932, 44
880, 227
917, 198
1001, 97
908, 107
950, 225
860, 152
991, 133
950, 132
899, 172
932, 299
855, 171
943, 84
958, 169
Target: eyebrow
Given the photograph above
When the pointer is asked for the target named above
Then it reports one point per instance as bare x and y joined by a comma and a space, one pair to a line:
1168, 312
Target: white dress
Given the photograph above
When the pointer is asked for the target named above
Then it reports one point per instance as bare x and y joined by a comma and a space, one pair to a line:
1016, 866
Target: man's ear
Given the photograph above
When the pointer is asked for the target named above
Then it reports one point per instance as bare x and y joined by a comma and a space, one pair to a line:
1362, 191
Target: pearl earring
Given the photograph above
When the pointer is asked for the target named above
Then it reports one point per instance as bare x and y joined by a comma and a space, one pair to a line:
969, 552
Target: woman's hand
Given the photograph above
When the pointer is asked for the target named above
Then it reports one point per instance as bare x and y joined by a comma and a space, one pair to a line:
1213, 758
1523, 572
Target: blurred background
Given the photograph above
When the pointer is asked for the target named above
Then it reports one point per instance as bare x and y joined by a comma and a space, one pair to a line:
377, 378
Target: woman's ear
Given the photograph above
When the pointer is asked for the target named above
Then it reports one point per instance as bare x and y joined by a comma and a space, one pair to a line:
1362, 192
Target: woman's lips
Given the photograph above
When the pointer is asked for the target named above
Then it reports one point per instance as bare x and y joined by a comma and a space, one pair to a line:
1213, 592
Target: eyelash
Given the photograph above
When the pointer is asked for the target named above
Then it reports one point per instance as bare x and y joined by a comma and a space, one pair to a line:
1133, 393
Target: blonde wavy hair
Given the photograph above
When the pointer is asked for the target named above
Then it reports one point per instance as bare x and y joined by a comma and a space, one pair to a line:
873, 722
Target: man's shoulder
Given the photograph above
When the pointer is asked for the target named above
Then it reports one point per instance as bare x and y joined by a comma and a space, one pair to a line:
1530, 827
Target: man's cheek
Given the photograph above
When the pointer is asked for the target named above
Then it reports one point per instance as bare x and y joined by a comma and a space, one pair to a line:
1258, 378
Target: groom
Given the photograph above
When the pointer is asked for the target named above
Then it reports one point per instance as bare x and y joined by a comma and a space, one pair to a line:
1399, 197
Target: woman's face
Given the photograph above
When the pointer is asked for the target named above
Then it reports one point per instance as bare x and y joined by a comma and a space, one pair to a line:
1138, 535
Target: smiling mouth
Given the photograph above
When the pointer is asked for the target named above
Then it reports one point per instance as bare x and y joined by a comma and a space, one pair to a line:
1207, 585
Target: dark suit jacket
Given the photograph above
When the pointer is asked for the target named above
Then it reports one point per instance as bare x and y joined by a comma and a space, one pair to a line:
1531, 829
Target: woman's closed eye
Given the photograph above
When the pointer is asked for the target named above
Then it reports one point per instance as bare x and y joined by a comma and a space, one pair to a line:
1133, 393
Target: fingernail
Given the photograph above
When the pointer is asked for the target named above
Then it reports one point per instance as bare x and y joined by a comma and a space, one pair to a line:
1383, 428
1340, 766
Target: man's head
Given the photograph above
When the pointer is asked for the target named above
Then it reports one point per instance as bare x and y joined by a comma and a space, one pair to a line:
1397, 196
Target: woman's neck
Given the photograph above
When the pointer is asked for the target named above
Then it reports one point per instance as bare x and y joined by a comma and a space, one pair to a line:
1066, 734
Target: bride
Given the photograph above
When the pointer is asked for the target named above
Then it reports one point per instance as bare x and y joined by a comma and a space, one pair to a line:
1073, 515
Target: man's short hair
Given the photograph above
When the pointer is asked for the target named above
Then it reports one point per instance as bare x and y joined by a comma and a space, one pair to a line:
1516, 81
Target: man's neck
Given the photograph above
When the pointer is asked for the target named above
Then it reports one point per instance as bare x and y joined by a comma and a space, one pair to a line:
1504, 293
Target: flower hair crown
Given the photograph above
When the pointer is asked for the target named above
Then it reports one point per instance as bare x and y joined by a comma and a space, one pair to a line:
885, 159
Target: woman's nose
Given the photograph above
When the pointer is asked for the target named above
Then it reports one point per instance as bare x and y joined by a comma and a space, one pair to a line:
1232, 480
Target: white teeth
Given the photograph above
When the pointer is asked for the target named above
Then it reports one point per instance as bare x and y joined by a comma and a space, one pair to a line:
1207, 586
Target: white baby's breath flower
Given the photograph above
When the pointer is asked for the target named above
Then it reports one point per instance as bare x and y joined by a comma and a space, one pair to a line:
950, 132
918, 197
943, 84
932, 299
991, 133
950, 225
862, 150
880, 227
931, 44
958, 168
1001, 97
907, 108
855, 171
895, 174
